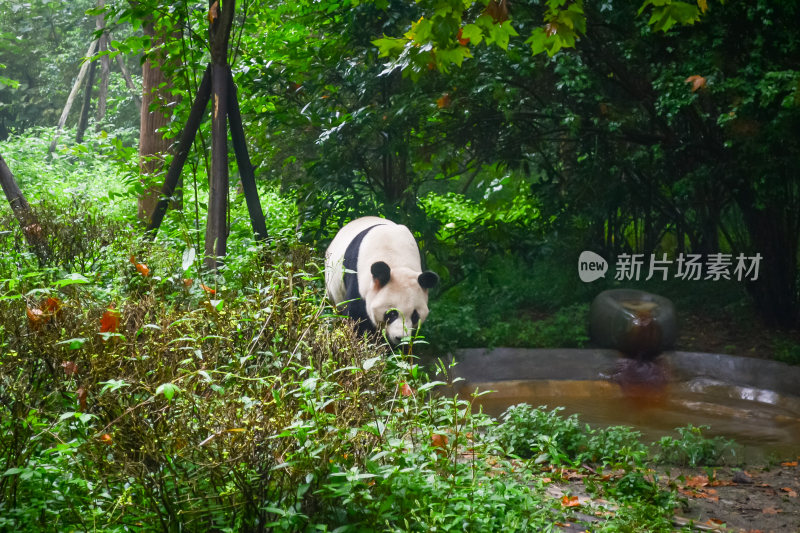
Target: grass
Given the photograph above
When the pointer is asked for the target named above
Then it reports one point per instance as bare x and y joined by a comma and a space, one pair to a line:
138, 392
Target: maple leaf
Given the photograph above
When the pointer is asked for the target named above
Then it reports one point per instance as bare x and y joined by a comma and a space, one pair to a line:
698, 82
109, 322
70, 368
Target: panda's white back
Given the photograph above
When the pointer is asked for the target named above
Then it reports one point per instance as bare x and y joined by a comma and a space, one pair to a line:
387, 241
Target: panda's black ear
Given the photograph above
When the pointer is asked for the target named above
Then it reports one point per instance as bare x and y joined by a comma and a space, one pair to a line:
428, 279
381, 272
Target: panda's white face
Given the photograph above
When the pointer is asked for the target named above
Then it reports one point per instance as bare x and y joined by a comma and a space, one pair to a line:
400, 305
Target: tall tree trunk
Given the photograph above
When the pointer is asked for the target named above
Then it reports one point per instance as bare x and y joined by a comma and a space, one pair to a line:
83, 121
156, 97
22, 211
217, 225
72, 94
775, 292
105, 70
221, 18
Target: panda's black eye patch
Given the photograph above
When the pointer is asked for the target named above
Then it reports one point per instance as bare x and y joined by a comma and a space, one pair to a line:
391, 315
414, 317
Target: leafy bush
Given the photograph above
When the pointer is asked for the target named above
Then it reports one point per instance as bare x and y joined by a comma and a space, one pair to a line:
534, 432
693, 448
616, 446
787, 351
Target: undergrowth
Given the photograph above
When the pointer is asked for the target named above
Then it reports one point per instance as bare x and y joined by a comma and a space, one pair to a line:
139, 393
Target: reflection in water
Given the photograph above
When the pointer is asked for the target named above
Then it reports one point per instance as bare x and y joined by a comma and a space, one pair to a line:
639, 395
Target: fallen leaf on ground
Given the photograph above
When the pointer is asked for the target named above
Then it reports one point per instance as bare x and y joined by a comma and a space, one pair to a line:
570, 501
771, 510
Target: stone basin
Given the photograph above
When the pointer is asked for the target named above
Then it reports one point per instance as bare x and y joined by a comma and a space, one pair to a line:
756, 402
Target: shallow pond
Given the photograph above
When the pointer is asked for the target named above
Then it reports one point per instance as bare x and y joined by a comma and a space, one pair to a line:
754, 402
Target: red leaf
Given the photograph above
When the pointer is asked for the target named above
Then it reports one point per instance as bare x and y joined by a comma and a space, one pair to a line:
70, 368
109, 322
698, 82
461, 40
405, 390
570, 501
498, 10
81, 393
443, 101
208, 289
105, 438
143, 270
439, 441
52, 305
35, 318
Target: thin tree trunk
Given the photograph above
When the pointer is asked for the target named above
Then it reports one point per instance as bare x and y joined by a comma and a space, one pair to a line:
22, 210
152, 145
136, 92
245, 166
105, 70
72, 94
216, 224
83, 122
182, 150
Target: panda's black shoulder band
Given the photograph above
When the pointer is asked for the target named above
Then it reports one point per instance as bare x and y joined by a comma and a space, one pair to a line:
356, 308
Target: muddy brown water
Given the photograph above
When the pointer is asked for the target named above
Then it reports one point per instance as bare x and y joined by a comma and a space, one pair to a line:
752, 401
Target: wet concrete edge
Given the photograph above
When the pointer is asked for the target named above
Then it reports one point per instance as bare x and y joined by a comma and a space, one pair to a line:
479, 365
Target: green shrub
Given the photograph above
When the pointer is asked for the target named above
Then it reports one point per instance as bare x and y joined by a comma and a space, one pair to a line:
616, 446
693, 448
535, 432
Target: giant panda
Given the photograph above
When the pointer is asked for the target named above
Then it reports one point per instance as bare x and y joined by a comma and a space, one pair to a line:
374, 273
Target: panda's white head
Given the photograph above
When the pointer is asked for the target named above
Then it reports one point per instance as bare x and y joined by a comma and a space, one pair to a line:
397, 302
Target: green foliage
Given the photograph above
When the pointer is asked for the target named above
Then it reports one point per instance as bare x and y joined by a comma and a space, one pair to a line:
544, 435
693, 448
787, 351
616, 446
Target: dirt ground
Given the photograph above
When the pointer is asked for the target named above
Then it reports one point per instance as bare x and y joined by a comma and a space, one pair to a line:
755, 500
702, 333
